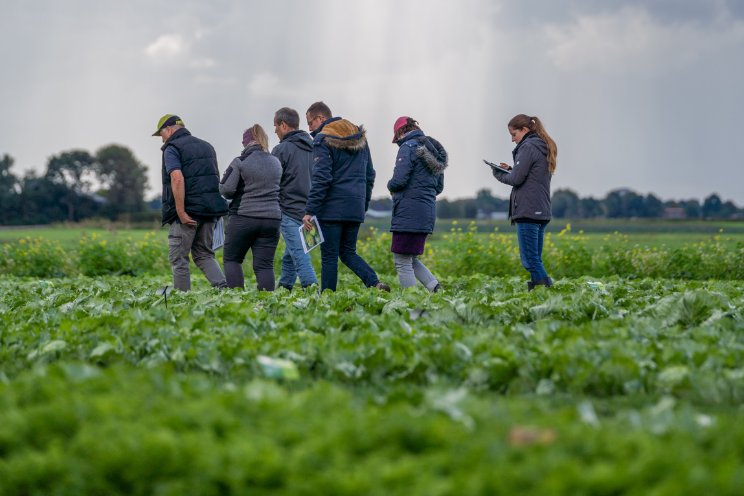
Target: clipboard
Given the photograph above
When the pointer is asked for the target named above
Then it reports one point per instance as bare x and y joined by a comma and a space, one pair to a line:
311, 239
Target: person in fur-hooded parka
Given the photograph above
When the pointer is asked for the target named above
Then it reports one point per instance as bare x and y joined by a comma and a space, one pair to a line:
417, 179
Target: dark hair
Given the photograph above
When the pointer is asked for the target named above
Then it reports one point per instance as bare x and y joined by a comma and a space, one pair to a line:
410, 125
533, 123
319, 109
288, 116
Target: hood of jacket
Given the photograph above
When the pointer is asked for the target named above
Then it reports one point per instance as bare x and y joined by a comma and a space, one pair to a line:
342, 134
429, 150
532, 138
248, 150
300, 139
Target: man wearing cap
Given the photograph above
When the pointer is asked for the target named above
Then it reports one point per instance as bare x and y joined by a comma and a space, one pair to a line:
342, 182
191, 202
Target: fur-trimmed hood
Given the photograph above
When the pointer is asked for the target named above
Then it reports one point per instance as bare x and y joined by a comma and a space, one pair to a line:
436, 163
342, 134
428, 149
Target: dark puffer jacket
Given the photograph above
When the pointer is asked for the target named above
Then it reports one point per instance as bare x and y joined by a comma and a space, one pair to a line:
201, 179
295, 152
343, 175
417, 180
530, 178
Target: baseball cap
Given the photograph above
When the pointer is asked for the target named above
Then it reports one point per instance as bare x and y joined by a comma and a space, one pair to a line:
167, 120
399, 123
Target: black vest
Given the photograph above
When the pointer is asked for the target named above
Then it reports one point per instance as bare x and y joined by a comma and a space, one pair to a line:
201, 179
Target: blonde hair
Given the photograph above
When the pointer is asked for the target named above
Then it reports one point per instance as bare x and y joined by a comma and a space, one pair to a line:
535, 124
259, 136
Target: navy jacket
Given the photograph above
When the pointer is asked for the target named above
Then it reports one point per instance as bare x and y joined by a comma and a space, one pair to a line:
295, 152
343, 175
530, 178
418, 178
201, 179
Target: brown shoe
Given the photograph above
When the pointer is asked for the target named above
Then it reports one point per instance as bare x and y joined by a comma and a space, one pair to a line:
382, 286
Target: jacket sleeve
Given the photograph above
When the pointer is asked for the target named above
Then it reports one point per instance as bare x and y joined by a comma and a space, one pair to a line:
321, 179
230, 179
371, 174
402, 170
440, 183
278, 152
520, 171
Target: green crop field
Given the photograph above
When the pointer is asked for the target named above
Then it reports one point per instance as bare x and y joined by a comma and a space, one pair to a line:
626, 377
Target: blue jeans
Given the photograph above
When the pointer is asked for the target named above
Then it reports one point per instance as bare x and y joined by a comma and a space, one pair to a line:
295, 261
530, 236
340, 240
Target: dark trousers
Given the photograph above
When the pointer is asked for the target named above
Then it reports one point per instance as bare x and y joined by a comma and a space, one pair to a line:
261, 237
339, 241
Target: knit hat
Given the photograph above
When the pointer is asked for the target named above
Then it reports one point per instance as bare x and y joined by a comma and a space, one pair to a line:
399, 123
167, 120
247, 137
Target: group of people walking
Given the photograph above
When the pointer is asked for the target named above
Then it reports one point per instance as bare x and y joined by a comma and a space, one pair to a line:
327, 176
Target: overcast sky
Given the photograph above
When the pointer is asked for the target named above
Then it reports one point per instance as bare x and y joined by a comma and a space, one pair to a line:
645, 94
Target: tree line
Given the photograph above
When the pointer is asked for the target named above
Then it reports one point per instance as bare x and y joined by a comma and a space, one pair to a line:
76, 185
617, 204
111, 183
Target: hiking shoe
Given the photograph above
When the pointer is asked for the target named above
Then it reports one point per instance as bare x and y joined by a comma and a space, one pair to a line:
530, 285
437, 288
382, 286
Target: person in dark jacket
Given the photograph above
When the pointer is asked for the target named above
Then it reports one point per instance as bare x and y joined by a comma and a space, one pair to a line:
252, 182
342, 182
417, 179
529, 203
191, 201
295, 153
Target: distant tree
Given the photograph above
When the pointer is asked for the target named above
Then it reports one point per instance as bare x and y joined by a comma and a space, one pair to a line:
728, 209
75, 170
590, 208
712, 206
445, 209
8, 191
613, 205
634, 205
123, 180
653, 207
487, 203
382, 204
43, 201
565, 204
693, 210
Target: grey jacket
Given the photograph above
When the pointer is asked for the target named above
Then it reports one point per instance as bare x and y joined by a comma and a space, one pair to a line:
530, 178
295, 152
251, 181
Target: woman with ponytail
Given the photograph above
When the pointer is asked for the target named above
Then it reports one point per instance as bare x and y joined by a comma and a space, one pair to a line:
251, 181
529, 203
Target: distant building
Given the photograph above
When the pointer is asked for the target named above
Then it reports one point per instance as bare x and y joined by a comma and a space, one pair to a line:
485, 215
674, 213
379, 214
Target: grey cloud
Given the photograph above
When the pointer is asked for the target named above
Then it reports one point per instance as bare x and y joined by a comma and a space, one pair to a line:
647, 117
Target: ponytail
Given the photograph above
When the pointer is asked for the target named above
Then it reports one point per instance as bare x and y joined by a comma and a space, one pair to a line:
535, 124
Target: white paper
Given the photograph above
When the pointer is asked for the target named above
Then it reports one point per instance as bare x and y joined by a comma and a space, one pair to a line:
311, 239
218, 238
